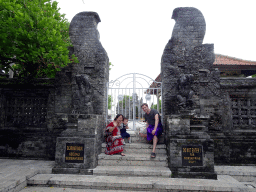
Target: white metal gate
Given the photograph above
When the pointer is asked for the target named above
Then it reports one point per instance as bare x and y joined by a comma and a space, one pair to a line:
128, 92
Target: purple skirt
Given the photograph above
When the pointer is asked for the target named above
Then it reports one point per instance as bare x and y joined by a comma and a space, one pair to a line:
159, 131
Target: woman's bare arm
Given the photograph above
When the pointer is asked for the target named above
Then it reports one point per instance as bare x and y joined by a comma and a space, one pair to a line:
112, 128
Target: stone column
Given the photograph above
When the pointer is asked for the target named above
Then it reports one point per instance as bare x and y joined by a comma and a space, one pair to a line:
191, 96
93, 64
78, 146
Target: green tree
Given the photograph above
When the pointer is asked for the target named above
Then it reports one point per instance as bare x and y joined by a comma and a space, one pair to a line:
109, 101
34, 36
125, 101
155, 106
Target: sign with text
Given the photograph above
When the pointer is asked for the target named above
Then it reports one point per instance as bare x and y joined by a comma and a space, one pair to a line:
74, 153
192, 155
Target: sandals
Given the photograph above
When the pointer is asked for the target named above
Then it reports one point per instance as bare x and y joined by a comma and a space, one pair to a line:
153, 155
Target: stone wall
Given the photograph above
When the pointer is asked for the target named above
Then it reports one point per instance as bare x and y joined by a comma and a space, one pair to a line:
240, 142
29, 127
235, 137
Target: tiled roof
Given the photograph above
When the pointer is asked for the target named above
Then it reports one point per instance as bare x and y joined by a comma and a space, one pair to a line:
226, 60
220, 60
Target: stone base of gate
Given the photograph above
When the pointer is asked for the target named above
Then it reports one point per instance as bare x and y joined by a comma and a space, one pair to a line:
79, 145
74, 155
192, 158
190, 148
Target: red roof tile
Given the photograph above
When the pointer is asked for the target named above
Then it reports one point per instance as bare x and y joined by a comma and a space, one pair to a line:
226, 60
220, 60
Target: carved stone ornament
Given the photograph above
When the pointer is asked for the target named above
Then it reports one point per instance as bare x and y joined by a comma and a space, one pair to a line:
82, 96
185, 93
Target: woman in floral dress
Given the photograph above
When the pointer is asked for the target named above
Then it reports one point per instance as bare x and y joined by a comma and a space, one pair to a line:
113, 137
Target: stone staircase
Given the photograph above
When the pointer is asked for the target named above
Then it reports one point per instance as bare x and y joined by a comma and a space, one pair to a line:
136, 171
115, 172
136, 162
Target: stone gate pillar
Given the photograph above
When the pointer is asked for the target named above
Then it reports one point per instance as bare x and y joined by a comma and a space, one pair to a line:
191, 96
79, 145
93, 66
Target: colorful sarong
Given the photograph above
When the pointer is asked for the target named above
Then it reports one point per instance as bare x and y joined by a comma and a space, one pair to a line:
114, 141
159, 131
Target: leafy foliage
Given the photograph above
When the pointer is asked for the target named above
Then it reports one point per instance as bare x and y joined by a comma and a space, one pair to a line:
155, 106
110, 65
125, 101
34, 36
109, 101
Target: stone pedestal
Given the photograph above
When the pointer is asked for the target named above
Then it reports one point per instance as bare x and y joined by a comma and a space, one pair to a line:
78, 147
190, 149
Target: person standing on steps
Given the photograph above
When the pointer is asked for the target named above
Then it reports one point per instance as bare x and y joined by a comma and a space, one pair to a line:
154, 126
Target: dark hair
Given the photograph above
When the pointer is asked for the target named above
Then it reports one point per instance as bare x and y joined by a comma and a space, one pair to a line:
126, 118
118, 115
144, 104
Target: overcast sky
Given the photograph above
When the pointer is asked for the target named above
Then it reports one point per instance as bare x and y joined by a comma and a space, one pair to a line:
134, 33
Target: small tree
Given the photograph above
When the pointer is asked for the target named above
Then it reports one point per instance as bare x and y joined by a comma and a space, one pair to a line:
109, 101
110, 64
125, 101
155, 106
34, 36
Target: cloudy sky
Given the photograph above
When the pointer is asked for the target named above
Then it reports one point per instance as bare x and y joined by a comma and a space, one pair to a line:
134, 33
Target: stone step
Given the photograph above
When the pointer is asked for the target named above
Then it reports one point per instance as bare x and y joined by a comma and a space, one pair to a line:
132, 160
224, 183
140, 148
124, 171
136, 138
139, 151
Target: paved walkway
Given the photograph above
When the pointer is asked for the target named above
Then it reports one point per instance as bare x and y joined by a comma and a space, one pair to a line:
14, 175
